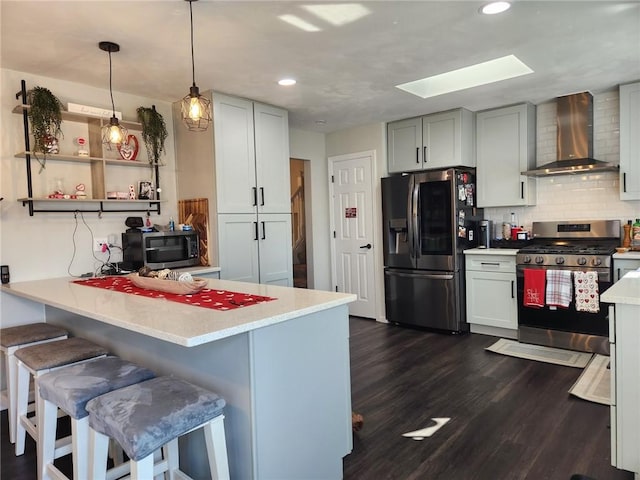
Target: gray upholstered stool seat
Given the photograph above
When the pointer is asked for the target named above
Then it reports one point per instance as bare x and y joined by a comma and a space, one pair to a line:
40, 359
70, 389
149, 415
13, 338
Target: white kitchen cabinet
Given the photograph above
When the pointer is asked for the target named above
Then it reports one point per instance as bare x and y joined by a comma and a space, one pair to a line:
252, 156
256, 249
622, 266
491, 294
630, 141
438, 140
506, 147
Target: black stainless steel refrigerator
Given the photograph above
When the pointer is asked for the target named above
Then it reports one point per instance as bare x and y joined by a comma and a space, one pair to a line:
429, 218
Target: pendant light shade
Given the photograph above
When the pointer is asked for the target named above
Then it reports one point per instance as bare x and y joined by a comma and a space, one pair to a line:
196, 109
113, 134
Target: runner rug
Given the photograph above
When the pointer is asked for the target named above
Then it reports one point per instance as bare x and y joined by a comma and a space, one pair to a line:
540, 353
206, 298
594, 384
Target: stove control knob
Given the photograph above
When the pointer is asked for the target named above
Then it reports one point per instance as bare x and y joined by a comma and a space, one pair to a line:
596, 262
559, 260
582, 261
526, 259
539, 260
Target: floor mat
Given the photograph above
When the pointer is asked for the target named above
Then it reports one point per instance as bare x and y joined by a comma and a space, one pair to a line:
557, 356
595, 382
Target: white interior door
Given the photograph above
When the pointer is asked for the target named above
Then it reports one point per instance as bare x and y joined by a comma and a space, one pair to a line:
352, 225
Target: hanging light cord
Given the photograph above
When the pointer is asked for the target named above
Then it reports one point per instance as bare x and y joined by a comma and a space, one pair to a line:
193, 65
113, 106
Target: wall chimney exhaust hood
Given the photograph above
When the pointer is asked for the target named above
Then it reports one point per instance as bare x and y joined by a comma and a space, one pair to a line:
575, 140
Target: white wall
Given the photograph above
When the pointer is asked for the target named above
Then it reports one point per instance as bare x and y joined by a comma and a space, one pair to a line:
363, 139
577, 197
55, 244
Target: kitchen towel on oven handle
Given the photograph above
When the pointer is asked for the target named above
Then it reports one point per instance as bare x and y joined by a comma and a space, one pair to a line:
559, 291
534, 288
587, 291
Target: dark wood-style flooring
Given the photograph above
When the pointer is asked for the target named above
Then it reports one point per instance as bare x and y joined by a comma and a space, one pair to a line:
511, 419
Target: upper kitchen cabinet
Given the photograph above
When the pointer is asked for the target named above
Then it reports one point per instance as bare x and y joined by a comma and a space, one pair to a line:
439, 140
630, 141
251, 156
506, 146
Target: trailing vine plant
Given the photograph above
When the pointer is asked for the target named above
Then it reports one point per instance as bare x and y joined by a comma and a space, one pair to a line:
154, 132
45, 117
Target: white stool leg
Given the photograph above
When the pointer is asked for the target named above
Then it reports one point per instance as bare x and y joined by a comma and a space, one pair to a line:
80, 441
142, 469
22, 404
46, 445
217, 448
98, 449
172, 457
11, 368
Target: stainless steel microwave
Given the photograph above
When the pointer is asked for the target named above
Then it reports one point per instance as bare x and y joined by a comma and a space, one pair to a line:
158, 250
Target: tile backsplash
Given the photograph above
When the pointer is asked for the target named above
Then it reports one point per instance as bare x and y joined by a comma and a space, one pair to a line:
576, 197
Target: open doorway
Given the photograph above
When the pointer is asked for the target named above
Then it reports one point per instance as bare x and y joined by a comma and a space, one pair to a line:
298, 223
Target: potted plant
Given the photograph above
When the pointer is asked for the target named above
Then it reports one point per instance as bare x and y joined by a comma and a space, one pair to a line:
45, 117
154, 132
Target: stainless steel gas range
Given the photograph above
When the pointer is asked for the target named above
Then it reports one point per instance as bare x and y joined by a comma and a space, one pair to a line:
578, 247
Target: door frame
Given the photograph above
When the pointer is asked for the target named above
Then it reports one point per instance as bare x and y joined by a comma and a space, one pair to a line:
377, 239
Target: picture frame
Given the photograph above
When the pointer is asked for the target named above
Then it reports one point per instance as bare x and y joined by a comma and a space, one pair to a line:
145, 190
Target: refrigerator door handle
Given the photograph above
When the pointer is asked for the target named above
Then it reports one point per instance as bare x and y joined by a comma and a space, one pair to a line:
414, 226
434, 276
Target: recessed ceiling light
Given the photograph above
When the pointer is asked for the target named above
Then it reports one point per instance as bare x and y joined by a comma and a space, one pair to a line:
473, 76
495, 7
286, 82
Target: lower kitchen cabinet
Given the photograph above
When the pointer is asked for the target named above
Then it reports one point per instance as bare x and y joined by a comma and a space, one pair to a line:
491, 294
622, 266
256, 248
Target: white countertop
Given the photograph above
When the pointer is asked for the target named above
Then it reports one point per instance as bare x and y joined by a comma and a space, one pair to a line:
491, 251
626, 290
627, 255
198, 269
176, 322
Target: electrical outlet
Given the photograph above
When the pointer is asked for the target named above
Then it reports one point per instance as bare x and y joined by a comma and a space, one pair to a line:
98, 242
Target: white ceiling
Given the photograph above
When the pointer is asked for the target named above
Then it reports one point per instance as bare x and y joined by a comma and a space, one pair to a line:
347, 71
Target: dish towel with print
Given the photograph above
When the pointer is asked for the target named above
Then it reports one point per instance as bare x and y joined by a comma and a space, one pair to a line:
587, 292
533, 288
559, 291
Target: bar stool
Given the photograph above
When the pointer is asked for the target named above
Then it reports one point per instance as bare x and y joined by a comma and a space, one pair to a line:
13, 338
37, 360
70, 388
149, 415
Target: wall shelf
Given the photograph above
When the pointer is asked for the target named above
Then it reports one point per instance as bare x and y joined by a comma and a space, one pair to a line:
97, 162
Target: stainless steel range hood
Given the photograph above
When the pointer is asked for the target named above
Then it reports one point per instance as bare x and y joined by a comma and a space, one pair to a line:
575, 140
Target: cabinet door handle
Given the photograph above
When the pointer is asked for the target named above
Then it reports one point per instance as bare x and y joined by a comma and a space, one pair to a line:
417, 154
618, 274
624, 182
512, 294
493, 264
262, 196
255, 196
255, 226
264, 231
522, 190
424, 154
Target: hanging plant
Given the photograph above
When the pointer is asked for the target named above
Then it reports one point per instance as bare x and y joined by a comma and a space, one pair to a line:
154, 132
45, 117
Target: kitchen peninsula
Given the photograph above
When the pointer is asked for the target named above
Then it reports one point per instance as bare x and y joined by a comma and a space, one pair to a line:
282, 365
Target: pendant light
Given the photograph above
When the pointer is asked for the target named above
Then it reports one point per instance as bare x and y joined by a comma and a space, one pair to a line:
196, 109
113, 134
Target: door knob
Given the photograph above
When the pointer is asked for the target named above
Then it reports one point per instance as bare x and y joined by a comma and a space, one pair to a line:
367, 246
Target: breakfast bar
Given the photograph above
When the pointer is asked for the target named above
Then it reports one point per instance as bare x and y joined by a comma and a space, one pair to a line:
281, 365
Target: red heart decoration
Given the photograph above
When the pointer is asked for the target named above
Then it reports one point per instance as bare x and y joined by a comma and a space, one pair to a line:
129, 150
579, 280
586, 300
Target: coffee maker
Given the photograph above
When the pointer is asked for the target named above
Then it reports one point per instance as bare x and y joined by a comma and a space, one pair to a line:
484, 233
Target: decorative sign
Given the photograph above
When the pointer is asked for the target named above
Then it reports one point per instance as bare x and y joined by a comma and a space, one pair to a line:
350, 212
129, 150
92, 111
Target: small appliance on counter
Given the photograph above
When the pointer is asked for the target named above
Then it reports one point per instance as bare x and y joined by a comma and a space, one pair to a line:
484, 233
